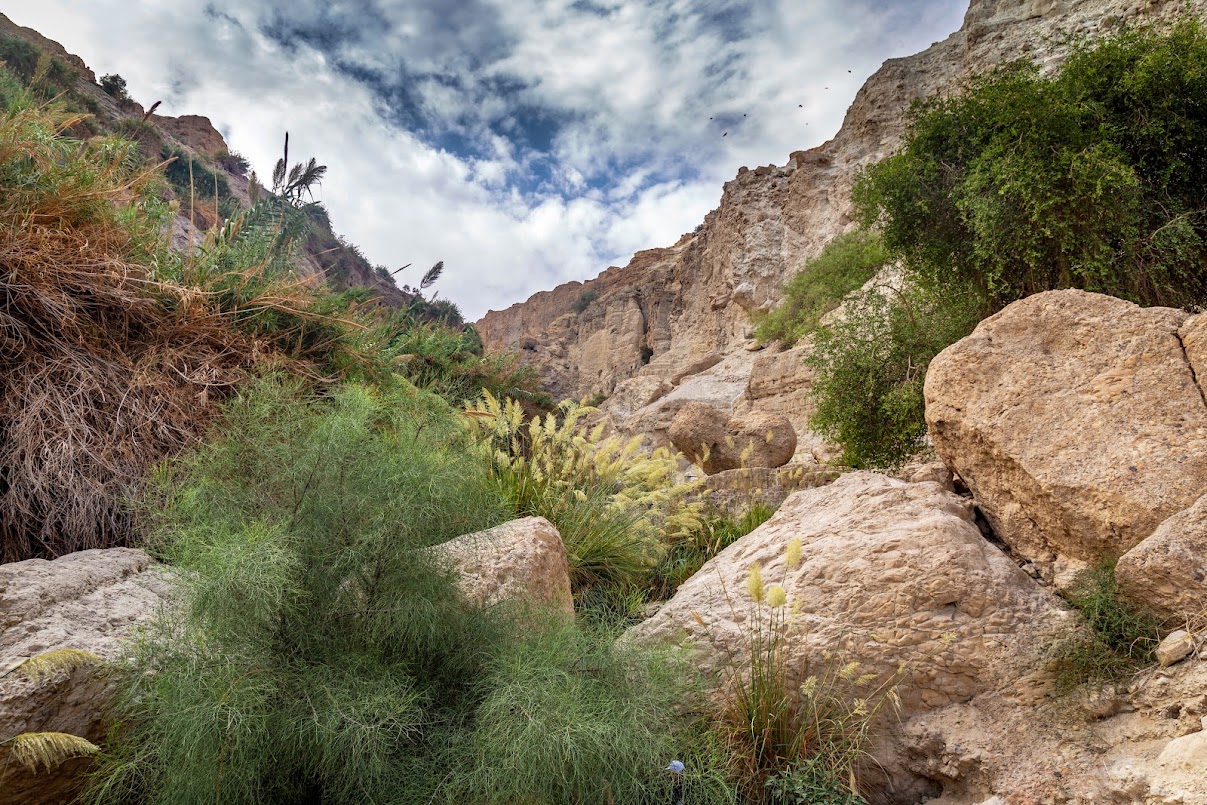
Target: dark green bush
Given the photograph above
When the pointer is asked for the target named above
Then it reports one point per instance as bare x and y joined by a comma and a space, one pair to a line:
115, 87
846, 263
871, 367
584, 300
1090, 178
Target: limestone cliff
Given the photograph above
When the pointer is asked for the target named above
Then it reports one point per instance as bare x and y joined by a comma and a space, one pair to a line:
690, 304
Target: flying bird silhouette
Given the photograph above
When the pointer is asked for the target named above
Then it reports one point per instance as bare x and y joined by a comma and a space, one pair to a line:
800, 106
726, 134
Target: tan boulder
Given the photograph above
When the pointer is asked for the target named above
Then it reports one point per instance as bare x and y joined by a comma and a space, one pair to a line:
521, 560
718, 442
1076, 421
1167, 572
890, 573
86, 601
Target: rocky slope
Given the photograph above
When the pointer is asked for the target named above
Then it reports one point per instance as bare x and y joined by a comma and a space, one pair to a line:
673, 313
324, 257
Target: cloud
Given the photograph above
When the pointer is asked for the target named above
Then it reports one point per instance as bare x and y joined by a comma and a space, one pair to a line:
524, 142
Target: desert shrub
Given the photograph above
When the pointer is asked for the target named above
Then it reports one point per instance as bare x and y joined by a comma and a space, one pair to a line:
115, 349
844, 265
871, 366
613, 504
322, 655
193, 179
115, 87
1089, 178
686, 553
584, 736
793, 727
584, 300
37, 70
233, 162
1118, 637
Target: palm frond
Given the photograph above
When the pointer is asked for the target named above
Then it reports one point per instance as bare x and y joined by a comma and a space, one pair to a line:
432, 275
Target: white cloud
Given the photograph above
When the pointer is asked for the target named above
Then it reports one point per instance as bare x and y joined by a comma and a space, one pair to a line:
626, 96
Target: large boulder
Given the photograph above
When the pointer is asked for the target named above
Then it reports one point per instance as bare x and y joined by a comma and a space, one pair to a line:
1077, 421
521, 560
87, 601
890, 573
1168, 571
717, 442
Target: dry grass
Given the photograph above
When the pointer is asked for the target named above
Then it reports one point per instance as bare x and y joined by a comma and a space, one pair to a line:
107, 369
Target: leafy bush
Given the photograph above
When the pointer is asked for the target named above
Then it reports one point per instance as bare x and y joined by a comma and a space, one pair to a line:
844, 265
871, 366
1119, 636
321, 654
233, 162
1090, 178
115, 87
584, 300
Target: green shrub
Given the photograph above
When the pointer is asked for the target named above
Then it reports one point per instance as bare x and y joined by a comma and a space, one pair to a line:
115, 87
1089, 178
322, 655
843, 266
584, 300
871, 366
1118, 639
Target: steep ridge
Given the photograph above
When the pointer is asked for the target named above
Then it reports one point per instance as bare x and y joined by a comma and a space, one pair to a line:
671, 309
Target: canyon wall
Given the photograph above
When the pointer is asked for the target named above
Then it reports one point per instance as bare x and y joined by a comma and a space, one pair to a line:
673, 309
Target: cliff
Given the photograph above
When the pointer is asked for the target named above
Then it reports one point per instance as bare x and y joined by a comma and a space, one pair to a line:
689, 305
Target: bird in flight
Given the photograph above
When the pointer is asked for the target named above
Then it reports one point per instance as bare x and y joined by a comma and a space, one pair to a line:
726, 134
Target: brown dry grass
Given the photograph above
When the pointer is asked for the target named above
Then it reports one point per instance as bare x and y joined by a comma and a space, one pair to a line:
105, 370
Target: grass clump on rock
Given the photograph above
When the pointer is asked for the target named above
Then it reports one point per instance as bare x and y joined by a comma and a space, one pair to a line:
1118, 637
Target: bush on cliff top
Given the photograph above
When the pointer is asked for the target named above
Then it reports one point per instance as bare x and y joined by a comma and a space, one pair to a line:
1090, 178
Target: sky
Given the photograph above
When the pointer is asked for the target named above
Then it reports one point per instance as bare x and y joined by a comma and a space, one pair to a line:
525, 143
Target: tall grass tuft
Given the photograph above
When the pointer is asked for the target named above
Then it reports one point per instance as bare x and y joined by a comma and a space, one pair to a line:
614, 505
793, 728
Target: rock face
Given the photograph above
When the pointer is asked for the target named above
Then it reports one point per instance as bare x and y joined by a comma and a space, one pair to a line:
670, 307
890, 573
1076, 420
523, 559
710, 438
87, 601
195, 131
1168, 570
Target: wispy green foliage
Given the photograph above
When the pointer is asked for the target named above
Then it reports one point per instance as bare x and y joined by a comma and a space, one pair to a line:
1118, 636
321, 655
844, 265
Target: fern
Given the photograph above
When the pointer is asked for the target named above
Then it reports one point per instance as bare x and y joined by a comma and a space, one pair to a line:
49, 749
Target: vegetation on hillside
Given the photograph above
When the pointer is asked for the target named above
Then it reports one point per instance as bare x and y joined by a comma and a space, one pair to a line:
118, 349
323, 654
1091, 177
